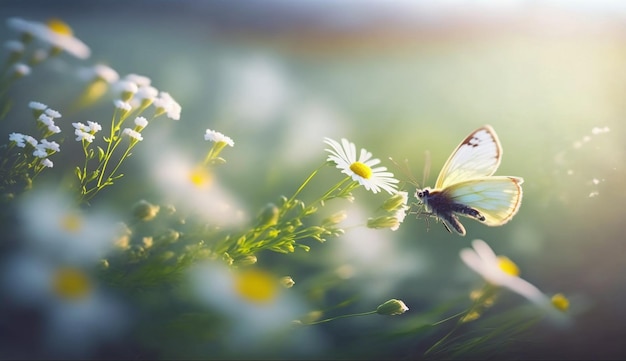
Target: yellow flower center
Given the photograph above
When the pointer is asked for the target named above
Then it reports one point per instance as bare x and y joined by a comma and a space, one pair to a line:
71, 222
361, 170
508, 266
59, 27
560, 302
200, 177
71, 283
256, 286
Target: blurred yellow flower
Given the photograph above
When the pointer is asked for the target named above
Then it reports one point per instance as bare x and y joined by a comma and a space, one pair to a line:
71, 283
256, 285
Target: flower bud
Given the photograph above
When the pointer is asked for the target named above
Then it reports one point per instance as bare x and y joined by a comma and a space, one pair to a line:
246, 260
396, 201
170, 236
287, 282
335, 218
392, 307
145, 211
269, 215
382, 222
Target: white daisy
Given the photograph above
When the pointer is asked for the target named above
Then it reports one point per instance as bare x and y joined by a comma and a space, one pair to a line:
78, 316
500, 271
345, 157
55, 32
251, 301
52, 223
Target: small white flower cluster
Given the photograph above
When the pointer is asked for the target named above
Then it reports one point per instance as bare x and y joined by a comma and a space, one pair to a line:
20, 69
165, 104
42, 149
47, 118
140, 123
133, 134
99, 72
86, 132
136, 92
214, 136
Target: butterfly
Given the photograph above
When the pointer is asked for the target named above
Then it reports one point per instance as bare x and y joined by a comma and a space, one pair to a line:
467, 187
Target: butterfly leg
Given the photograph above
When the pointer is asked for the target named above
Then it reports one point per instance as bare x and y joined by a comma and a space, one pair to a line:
451, 221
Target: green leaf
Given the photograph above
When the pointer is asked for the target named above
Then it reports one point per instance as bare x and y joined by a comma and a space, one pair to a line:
101, 153
94, 175
79, 173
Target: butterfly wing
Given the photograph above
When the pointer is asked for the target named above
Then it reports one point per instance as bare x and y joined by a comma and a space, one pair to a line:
497, 198
477, 156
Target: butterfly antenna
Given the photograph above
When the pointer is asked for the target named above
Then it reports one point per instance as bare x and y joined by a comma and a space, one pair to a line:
406, 171
426, 172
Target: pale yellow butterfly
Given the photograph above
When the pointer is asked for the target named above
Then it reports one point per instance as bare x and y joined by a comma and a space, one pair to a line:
466, 187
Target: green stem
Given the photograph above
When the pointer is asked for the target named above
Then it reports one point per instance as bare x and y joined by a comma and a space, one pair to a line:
306, 181
109, 151
444, 338
342, 316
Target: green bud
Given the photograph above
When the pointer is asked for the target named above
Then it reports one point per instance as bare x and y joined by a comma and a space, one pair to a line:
392, 307
145, 211
312, 317
227, 258
272, 233
167, 255
335, 218
246, 260
147, 242
310, 210
269, 215
395, 202
170, 209
382, 222
7, 197
217, 161
287, 282
169, 236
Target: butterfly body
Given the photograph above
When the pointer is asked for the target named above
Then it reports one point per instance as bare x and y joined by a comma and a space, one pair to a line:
466, 187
